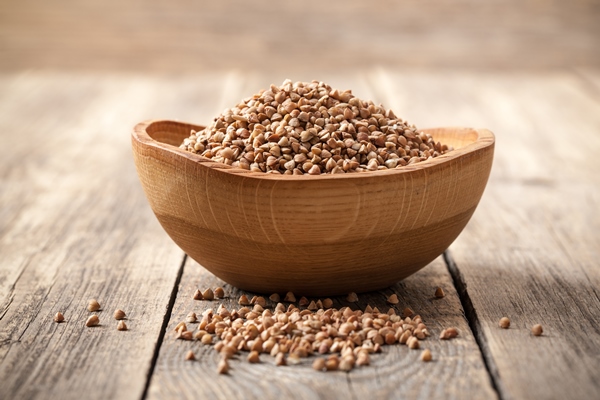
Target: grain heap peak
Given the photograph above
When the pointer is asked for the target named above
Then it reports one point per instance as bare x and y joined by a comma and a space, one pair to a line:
310, 128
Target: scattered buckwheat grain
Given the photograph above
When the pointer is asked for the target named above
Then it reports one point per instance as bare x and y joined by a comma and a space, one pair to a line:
228, 351
319, 364
352, 297
303, 301
439, 293
119, 314
346, 363
504, 323
449, 333
243, 300
59, 317
191, 318
189, 356
223, 366
185, 335
426, 355
289, 297
198, 335
121, 326
219, 293
393, 299
404, 337
280, 359
293, 359
275, 298
292, 334
363, 358
261, 301
208, 294
180, 327
197, 295
537, 330
254, 357
93, 320
332, 363
413, 343
93, 305
219, 346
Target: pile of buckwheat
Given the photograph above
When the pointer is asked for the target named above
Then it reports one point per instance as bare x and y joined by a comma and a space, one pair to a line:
336, 339
343, 338
310, 128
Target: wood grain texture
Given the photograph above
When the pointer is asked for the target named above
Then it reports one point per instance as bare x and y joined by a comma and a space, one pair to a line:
74, 225
397, 372
311, 35
388, 224
590, 81
531, 250
69, 233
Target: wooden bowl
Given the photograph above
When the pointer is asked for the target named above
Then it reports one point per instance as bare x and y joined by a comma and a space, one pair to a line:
312, 235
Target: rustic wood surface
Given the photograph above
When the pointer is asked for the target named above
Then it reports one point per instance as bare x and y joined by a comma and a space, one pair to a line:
75, 225
550, 270
72, 229
75, 77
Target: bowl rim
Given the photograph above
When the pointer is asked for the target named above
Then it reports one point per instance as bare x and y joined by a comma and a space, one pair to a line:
485, 138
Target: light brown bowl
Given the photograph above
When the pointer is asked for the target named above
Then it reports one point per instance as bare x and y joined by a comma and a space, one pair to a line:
312, 235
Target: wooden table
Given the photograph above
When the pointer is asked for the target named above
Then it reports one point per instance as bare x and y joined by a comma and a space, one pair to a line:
75, 225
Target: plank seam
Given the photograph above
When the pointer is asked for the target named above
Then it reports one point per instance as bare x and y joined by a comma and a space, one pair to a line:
163, 328
349, 383
471, 315
11, 294
10, 300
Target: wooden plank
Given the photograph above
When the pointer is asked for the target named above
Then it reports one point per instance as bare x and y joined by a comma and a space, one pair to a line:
75, 225
397, 372
334, 35
531, 250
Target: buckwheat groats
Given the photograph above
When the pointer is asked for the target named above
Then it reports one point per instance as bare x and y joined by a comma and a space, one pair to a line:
310, 128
